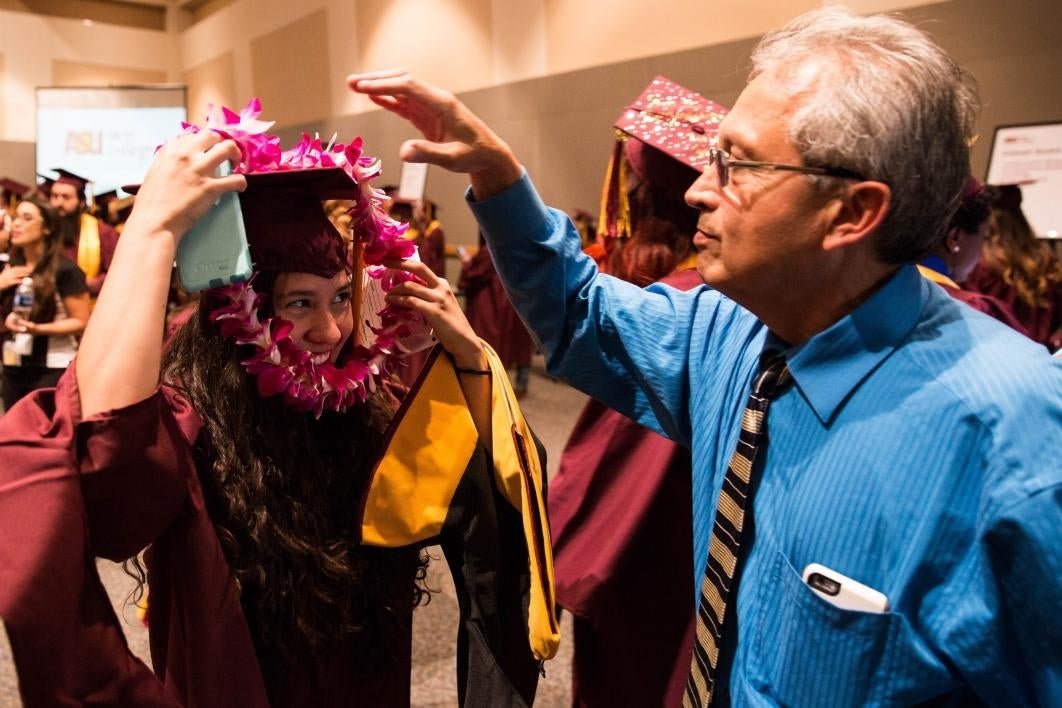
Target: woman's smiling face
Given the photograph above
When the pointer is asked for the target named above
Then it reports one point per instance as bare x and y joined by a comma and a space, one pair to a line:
320, 310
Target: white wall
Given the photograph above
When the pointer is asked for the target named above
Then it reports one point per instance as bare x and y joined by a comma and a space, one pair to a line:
461, 44
30, 44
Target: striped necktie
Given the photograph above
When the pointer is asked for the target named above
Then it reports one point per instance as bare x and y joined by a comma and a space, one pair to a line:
724, 550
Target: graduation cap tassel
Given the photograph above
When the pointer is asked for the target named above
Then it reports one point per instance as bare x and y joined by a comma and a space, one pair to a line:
615, 221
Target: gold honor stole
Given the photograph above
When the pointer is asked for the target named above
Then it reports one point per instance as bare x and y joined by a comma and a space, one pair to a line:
424, 461
88, 247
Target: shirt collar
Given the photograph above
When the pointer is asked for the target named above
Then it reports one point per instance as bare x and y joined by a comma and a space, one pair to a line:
830, 365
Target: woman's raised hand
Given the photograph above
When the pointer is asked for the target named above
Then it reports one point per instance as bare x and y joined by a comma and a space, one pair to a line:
434, 299
182, 184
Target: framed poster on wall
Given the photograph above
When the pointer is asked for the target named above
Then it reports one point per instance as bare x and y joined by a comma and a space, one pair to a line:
1030, 155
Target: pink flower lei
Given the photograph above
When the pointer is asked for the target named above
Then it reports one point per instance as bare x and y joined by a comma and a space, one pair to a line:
279, 365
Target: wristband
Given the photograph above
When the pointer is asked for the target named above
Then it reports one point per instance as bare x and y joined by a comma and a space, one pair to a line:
477, 372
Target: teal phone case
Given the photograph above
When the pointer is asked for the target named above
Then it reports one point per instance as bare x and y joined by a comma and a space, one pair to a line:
214, 251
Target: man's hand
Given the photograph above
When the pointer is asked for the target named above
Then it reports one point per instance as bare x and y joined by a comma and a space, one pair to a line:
454, 137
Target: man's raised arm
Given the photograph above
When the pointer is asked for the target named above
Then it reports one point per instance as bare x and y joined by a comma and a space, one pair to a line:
454, 137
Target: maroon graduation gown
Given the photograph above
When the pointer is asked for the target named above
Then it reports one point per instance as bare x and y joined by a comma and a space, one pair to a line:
71, 490
1043, 324
620, 510
109, 486
491, 314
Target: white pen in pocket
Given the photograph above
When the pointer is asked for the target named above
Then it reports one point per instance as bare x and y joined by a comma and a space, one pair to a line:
843, 592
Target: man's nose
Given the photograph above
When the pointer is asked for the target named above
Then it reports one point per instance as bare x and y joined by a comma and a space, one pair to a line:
704, 192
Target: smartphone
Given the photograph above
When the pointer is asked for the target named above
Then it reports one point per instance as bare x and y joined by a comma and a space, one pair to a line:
843, 592
214, 251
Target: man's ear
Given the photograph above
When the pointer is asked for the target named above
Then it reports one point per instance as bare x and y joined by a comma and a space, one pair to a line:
856, 213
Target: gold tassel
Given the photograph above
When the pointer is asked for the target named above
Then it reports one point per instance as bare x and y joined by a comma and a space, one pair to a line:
615, 221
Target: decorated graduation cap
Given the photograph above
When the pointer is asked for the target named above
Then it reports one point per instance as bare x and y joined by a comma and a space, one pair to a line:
673, 129
287, 230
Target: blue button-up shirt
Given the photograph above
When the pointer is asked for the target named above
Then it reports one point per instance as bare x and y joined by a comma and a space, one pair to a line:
919, 452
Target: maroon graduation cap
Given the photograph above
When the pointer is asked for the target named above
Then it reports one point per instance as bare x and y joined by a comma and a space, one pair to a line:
287, 228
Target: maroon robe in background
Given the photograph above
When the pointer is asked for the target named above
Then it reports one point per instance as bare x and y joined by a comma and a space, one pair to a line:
991, 306
108, 242
620, 510
133, 482
491, 314
431, 246
1042, 324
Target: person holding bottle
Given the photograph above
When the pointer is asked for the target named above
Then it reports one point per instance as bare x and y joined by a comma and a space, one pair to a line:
40, 340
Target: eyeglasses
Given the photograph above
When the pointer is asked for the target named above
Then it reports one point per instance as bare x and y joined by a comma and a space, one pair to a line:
723, 164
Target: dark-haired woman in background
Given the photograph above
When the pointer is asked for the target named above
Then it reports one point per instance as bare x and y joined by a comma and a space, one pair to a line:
38, 348
1021, 270
959, 250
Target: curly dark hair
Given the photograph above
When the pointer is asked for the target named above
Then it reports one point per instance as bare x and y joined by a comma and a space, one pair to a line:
282, 491
1023, 261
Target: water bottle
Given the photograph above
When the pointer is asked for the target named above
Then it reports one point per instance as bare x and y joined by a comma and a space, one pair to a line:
22, 304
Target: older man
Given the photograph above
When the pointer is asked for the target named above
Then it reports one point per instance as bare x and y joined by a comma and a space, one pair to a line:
898, 539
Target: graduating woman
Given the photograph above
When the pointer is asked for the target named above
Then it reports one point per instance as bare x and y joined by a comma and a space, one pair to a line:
259, 459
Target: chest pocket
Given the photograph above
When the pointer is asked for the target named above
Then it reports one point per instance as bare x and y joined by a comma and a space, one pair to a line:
806, 652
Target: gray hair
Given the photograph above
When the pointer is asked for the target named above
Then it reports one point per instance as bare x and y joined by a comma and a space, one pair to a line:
890, 105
